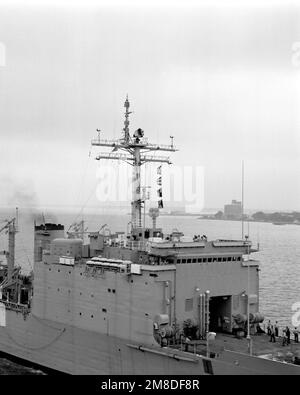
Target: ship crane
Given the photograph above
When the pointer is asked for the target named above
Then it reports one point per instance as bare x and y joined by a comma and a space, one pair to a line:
10, 281
77, 229
11, 228
134, 148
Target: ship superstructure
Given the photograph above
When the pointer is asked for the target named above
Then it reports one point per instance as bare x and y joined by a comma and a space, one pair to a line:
145, 302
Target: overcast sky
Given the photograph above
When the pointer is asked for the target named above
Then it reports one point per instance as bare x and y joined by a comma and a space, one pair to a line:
222, 80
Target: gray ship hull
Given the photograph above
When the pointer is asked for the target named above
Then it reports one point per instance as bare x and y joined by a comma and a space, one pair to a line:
77, 351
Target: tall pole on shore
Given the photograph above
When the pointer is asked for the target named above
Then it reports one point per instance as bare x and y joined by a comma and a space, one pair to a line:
242, 199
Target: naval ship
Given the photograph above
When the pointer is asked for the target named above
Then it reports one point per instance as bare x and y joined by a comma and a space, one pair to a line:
141, 302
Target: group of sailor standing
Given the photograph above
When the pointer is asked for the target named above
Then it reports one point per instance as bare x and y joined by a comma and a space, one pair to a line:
273, 332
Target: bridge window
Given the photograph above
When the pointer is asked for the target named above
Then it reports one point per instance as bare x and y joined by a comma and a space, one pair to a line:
178, 260
205, 260
194, 260
199, 260
219, 259
184, 261
189, 261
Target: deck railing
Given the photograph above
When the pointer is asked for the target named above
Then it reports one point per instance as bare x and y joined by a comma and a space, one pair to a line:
18, 307
137, 245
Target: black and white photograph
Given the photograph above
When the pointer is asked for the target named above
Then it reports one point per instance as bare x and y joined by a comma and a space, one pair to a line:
149, 190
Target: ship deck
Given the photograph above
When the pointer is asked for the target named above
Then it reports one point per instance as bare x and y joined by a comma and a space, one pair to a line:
261, 346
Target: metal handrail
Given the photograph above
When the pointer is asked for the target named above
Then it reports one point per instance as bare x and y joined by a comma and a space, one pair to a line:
137, 245
22, 308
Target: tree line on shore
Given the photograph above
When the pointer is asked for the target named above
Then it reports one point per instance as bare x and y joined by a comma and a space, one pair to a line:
260, 216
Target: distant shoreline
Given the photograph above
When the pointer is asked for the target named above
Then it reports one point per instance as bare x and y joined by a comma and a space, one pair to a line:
249, 220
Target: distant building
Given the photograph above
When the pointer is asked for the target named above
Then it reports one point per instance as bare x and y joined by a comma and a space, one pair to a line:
233, 210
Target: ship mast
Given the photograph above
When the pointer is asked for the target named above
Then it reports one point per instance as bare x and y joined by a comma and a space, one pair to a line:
135, 147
